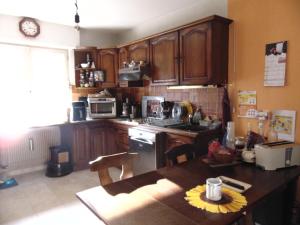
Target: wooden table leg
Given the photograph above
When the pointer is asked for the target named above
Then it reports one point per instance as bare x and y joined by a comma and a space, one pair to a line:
289, 200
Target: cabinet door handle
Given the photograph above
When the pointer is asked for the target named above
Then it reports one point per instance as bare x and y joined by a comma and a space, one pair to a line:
176, 141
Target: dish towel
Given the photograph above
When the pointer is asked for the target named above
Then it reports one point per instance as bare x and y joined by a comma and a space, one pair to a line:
231, 201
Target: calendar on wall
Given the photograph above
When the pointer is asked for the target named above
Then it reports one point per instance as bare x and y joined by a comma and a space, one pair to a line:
275, 64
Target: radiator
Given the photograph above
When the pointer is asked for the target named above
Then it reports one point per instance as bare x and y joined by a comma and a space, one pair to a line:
29, 151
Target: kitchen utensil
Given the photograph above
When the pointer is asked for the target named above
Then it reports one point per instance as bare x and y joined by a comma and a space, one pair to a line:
178, 111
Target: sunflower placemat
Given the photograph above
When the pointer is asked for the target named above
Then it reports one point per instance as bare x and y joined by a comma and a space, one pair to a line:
231, 201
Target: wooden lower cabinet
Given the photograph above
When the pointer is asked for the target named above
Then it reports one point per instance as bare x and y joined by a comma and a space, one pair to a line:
88, 141
122, 138
102, 139
75, 137
173, 140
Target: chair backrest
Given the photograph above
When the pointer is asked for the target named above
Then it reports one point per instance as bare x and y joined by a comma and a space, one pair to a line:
102, 163
180, 154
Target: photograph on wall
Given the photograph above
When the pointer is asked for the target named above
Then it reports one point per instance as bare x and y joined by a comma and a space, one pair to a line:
247, 104
284, 124
275, 64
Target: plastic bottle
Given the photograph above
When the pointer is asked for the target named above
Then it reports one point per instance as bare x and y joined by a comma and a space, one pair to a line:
230, 138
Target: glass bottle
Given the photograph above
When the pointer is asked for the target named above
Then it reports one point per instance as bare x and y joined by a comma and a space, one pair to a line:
91, 79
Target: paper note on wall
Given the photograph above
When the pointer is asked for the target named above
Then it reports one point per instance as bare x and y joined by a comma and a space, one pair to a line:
247, 104
284, 122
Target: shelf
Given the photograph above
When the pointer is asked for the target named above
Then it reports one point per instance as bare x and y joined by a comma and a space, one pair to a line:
81, 69
88, 88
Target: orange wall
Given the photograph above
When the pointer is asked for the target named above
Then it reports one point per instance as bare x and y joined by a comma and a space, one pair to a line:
257, 22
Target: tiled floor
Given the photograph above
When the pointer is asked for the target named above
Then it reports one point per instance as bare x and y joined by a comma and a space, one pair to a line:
42, 200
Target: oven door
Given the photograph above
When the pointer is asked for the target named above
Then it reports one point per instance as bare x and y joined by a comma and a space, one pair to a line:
102, 109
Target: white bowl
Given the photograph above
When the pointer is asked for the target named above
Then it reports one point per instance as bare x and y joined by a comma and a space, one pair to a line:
84, 65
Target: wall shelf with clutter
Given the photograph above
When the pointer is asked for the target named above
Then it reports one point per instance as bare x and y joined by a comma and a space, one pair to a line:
87, 72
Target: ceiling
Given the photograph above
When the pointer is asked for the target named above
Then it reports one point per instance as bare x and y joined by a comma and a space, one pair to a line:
110, 14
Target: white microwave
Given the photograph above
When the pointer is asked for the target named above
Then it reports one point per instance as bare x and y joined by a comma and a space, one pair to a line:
102, 107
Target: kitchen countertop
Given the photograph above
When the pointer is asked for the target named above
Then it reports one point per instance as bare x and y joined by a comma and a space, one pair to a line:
136, 123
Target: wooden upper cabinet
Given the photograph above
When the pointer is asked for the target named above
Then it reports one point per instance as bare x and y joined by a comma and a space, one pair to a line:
164, 59
195, 54
139, 51
123, 56
108, 62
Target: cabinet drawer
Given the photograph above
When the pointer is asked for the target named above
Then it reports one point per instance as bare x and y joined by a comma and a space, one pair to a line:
174, 140
123, 136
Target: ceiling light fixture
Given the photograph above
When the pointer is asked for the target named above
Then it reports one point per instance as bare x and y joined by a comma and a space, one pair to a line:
77, 20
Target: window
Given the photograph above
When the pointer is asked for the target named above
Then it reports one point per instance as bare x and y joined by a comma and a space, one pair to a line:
34, 86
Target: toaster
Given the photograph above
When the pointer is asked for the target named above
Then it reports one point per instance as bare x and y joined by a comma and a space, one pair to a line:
276, 155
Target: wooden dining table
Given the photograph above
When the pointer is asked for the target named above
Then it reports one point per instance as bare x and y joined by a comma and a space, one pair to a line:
157, 197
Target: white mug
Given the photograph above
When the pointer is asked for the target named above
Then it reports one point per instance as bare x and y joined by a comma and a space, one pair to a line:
213, 189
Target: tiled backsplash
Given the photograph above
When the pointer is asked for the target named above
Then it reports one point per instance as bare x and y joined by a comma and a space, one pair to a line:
208, 99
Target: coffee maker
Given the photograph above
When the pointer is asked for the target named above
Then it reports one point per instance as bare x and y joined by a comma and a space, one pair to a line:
166, 109
79, 111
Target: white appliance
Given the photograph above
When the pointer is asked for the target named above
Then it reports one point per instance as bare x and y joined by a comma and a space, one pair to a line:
276, 155
101, 107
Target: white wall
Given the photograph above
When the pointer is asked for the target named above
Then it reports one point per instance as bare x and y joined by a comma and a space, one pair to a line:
51, 35
175, 19
99, 38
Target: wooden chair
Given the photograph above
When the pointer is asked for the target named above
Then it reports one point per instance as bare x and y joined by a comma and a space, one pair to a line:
102, 163
180, 154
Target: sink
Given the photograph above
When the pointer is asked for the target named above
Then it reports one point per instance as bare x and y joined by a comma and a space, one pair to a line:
189, 127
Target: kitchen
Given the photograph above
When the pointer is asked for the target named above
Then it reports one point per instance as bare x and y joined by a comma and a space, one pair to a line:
248, 35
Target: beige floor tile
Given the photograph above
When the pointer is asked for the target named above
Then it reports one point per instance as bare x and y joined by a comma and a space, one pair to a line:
38, 199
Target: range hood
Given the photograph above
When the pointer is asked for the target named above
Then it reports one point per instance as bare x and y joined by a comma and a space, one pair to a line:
134, 72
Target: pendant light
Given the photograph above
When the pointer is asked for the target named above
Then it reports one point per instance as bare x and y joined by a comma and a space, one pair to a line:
77, 20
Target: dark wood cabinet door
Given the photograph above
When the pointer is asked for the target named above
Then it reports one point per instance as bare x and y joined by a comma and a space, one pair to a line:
195, 54
139, 51
122, 136
97, 142
111, 141
102, 141
108, 62
123, 56
81, 147
174, 140
164, 59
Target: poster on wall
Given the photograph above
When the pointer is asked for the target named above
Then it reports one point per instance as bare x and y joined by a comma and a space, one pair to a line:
247, 104
275, 64
284, 122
